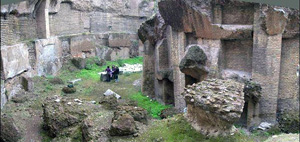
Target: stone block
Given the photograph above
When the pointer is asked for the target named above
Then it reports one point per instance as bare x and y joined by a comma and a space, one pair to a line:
119, 53
15, 60
27, 83
48, 54
68, 21
83, 46
275, 21
119, 40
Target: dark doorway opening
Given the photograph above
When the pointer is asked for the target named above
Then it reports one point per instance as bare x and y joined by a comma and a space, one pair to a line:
168, 89
243, 120
189, 80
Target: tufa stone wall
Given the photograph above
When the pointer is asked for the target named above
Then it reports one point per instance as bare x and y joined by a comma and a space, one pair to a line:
38, 36
242, 41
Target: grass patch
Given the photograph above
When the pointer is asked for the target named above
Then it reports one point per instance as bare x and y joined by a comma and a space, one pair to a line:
177, 129
153, 107
93, 71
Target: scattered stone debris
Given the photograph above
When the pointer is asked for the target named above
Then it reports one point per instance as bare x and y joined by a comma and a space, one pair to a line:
131, 68
109, 102
74, 81
96, 126
214, 105
122, 125
264, 126
138, 114
109, 92
77, 100
61, 116
57, 100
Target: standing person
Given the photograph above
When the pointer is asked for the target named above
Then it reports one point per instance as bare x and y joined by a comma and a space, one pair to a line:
113, 71
108, 73
116, 73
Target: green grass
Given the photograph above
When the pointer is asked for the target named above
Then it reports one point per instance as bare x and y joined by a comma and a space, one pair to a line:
153, 107
93, 71
177, 129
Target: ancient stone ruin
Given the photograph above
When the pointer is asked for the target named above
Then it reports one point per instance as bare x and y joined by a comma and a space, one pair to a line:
190, 41
214, 105
39, 36
214, 63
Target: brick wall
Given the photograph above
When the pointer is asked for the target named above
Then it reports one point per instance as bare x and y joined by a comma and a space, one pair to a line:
288, 94
16, 29
67, 21
238, 55
6, 31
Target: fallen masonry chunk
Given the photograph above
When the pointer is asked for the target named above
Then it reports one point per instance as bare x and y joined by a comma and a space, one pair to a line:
64, 116
264, 126
77, 100
57, 100
123, 125
213, 105
138, 114
74, 81
110, 102
109, 92
68, 90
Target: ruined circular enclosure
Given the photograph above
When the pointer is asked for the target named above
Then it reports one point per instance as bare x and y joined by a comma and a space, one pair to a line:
188, 70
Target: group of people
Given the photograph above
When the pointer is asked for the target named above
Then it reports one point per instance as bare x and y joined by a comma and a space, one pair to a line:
112, 74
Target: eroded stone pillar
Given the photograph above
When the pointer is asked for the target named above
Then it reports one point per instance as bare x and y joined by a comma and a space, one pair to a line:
178, 44
266, 58
42, 19
148, 70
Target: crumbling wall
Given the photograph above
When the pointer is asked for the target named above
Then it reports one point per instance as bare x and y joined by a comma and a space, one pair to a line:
38, 36
242, 41
214, 105
16, 29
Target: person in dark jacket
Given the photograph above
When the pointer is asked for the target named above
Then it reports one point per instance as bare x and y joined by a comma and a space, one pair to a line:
116, 74
108, 73
113, 69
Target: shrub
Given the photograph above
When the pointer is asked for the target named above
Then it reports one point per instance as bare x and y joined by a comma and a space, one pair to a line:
289, 122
